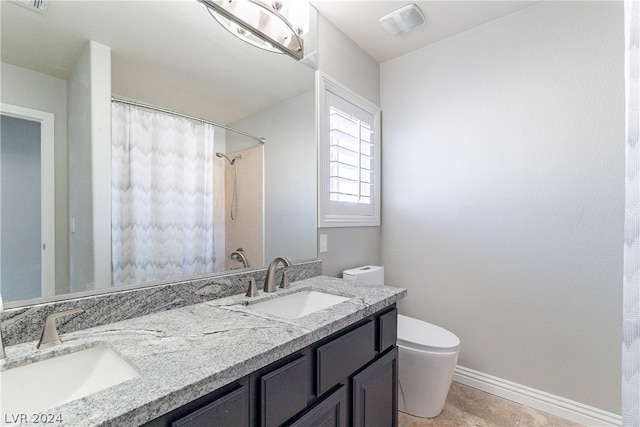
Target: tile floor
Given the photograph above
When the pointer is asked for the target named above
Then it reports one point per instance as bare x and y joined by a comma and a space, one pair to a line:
467, 406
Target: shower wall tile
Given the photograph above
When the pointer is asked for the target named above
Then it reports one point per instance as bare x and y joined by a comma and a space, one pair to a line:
246, 231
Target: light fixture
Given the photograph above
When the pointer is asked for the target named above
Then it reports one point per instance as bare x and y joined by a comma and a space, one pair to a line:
37, 5
276, 26
402, 20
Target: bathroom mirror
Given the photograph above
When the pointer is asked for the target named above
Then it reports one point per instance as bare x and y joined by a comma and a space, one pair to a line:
169, 54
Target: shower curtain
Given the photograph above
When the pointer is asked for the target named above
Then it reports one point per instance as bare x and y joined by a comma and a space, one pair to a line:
631, 295
162, 196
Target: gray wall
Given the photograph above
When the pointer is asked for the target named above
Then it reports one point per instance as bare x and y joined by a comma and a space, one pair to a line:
340, 58
503, 182
21, 231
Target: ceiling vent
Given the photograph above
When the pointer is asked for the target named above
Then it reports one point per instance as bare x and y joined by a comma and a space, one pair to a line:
402, 20
37, 5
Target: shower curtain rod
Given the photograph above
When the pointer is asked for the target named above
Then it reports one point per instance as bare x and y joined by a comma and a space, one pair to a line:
185, 116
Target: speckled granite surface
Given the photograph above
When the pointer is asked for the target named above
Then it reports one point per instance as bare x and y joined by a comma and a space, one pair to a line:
25, 323
186, 352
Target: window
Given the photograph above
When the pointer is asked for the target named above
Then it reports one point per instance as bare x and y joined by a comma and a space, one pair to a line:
349, 158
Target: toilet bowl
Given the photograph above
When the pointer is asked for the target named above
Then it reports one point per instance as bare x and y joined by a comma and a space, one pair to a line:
427, 356
426, 361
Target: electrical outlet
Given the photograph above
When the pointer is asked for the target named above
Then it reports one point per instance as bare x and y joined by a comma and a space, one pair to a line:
323, 243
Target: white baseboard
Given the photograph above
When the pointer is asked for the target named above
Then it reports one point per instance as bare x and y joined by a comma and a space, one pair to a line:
540, 400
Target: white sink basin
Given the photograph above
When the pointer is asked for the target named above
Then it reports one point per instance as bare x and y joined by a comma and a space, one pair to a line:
293, 306
38, 386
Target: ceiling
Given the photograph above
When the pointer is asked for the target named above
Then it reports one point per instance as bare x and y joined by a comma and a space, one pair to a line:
359, 21
167, 53
173, 54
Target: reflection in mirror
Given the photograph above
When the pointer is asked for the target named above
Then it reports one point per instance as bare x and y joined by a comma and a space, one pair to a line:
274, 26
64, 230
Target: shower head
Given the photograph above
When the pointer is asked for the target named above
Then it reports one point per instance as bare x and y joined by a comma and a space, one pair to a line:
231, 162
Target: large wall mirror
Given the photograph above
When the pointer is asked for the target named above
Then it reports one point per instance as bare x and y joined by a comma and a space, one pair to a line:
68, 148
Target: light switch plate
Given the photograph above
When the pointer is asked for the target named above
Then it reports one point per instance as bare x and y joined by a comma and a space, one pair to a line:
323, 243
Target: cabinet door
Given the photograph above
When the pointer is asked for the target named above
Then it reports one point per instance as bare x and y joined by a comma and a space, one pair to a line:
331, 412
229, 410
375, 393
284, 392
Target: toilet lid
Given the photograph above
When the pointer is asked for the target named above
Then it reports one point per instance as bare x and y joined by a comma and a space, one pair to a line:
414, 333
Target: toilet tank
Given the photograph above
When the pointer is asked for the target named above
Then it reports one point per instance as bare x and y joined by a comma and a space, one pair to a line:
366, 275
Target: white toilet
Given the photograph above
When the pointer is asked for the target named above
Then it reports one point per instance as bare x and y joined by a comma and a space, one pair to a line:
427, 356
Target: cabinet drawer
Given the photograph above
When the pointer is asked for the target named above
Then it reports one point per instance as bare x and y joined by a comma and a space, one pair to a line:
387, 330
343, 356
230, 409
284, 392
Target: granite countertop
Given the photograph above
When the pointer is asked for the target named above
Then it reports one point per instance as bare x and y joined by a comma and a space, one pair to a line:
187, 352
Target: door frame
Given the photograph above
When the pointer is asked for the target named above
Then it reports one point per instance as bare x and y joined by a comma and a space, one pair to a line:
47, 186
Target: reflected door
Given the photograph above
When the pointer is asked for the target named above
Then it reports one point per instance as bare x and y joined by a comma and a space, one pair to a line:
26, 270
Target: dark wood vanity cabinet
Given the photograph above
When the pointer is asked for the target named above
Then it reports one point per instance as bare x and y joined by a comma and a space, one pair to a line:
228, 410
331, 411
375, 394
227, 406
342, 356
347, 379
281, 390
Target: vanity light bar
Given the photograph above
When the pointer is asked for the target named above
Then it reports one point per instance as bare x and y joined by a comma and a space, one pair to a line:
260, 25
37, 5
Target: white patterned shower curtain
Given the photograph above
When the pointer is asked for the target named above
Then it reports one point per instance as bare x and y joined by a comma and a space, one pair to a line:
162, 196
631, 304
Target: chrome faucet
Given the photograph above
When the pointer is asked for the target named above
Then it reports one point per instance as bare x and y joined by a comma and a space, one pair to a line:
50, 337
270, 280
1, 342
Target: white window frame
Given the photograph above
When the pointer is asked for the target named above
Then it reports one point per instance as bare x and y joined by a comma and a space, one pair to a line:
335, 213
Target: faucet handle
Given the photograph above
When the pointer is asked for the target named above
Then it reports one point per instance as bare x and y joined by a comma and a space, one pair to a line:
285, 279
253, 290
50, 335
